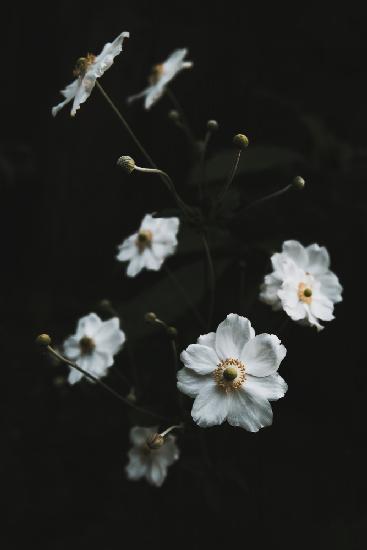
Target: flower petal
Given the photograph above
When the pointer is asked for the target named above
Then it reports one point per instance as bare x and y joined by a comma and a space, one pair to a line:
139, 434
200, 359
109, 337
151, 261
250, 412
74, 376
137, 466
71, 348
169, 452
318, 259
136, 264
83, 92
210, 406
271, 387
127, 249
263, 354
232, 335
297, 252
322, 308
88, 326
189, 382
330, 286
156, 473
207, 340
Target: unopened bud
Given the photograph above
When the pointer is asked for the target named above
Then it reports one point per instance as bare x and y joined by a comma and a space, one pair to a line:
155, 441
174, 115
126, 163
150, 317
212, 125
240, 141
299, 182
172, 332
43, 340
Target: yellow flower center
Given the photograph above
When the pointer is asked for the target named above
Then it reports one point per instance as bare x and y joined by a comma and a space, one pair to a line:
87, 345
230, 374
304, 293
144, 239
155, 75
82, 64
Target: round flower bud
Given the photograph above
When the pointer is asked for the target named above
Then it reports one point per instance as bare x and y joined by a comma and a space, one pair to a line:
150, 317
126, 163
174, 115
43, 340
240, 141
212, 125
155, 441
299, 182
172, 332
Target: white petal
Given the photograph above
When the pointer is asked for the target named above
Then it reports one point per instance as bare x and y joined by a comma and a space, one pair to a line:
330, 286
318, 259
163, 250
105, 59
139, 435
74, 376
263, 354
322, 308
151, 261
167, 230
207, 340
311, 319
69, 93
136, 264
232, 335
189, 382
156, 473
210, 406
134, 97
291, 303
200, 359
296, 251
88, 326
169, 452
96, 363
84, 90
71, 348
271, 387
137, 466
127, 249
109, 337
250, 412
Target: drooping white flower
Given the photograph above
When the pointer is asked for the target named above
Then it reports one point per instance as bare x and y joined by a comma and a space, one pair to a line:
150, 246
302, 284
87, 70
232, 374
93, 346
161, 75
148, 462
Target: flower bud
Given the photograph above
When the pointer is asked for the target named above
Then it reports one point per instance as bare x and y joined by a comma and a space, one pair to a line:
126, 163
240, 141
212, 125
172, 332
299, 182
174, 115
43, 340
155, 441
150, 317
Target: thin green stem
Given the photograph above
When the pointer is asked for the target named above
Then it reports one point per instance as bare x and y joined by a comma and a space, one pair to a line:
211, 274
269, 197
231, 176
103, 385
184, 124
202, 179
185, 296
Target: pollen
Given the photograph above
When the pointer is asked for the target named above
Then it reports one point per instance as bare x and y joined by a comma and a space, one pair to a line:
144, 239
82, 64
155, 75
87, 345
230, 374
304, 293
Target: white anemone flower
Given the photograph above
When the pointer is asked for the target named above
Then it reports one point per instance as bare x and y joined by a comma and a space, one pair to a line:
150, 246
302, 284
232, 374
148, 462
161, 75
87, 70
93, 346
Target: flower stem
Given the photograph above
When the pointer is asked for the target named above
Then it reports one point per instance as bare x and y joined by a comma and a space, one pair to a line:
269, 197
183, 121
186, 297
202, 179
126, 125
103, 384
211, 273
231, 176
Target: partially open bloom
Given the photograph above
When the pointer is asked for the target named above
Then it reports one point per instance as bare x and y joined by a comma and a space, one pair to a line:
93, 346
148, 462
150, 246
86, 71
161, 75
232, 374
302, 284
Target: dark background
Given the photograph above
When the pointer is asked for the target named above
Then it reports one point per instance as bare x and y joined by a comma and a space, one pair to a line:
293, 80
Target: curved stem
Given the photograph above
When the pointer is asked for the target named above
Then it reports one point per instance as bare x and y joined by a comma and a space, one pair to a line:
103, 384
208, 135
231, 176
269, 197
211, 279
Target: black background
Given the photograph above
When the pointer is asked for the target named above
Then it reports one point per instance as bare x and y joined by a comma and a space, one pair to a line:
292, 79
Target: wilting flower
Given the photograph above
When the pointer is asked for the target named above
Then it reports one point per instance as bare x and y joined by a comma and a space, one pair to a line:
150, 246
93, 346
233, 375
161, 75
86, 71
302, 284
147, 461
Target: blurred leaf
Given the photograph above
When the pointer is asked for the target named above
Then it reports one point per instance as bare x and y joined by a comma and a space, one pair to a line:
254, 159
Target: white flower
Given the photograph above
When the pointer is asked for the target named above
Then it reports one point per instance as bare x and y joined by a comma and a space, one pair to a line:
150, 246
93, 346
150, 463
161, 75
87, 70
302, 284
233, 375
